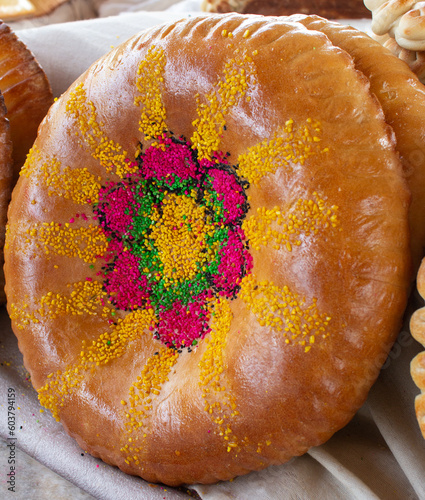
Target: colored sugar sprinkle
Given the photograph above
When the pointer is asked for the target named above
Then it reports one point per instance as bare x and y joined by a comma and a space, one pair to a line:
84, 297
154, 374
86, 243
109, 153
108, 346
238, 75
289, 145
220, 403
175, 238
149, 83
76, 184
284, 311
284, 226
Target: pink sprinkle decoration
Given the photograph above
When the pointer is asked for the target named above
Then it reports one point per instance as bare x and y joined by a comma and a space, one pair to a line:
175, 161
120, 283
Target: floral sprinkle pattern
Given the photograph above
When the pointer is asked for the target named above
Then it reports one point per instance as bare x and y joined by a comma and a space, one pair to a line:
175, 238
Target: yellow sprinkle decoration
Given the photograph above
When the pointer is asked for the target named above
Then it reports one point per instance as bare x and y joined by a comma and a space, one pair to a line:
282, 310
238, 74
86, 243
148, 385
180, 236
284, 227
149, 83
109, 153
85, 297
219, 401
289, 145
109, 346
76, 184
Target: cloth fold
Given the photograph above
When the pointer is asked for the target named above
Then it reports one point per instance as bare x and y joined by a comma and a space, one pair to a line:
380, 454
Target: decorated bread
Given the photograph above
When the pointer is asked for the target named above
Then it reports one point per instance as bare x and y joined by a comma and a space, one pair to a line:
25, 98
207, 255
331, 9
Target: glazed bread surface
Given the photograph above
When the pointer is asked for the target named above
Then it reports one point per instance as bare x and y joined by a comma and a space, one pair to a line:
6, 170
207, 256
25, 99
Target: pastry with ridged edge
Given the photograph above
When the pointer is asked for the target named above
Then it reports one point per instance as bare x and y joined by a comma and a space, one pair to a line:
402, 98
207, 256
26, 97
6, 174
26, 92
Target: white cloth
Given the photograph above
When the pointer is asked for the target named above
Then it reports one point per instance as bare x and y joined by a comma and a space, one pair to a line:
379, 455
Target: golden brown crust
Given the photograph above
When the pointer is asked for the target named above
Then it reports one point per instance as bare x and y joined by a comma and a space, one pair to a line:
26, 92
331, 9
289, 358
27, 96
402, 97
5, 184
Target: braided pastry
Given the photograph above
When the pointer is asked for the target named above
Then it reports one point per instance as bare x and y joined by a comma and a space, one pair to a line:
417, 367
207, 256
415, 59
404, 22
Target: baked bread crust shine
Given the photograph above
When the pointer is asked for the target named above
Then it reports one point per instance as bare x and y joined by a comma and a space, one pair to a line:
26, 91
402, 98
25, 98
275, 117
6, 169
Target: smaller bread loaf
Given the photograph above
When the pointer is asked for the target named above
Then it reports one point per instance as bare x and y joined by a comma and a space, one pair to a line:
402, 97
331, 9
